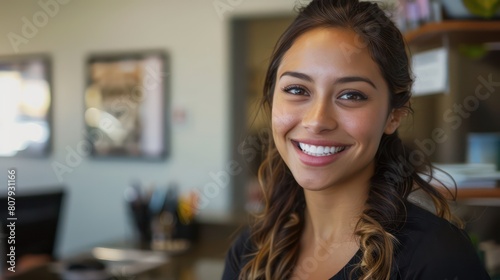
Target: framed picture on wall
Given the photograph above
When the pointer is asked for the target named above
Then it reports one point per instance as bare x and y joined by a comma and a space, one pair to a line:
125, 104
25, 106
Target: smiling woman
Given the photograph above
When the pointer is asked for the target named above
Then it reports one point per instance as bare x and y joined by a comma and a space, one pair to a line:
337, 178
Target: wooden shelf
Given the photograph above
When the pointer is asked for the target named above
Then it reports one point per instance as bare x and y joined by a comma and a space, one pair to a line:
472, 193
478, 193
475, 196
456, 30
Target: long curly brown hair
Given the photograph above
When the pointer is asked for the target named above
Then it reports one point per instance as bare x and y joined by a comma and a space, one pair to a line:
277, 230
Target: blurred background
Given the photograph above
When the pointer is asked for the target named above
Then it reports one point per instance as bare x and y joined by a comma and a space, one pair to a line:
125, 104
196, 38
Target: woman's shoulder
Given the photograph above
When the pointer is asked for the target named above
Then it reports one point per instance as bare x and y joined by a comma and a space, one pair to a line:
422, 224
237, 256
430, 247
242, 244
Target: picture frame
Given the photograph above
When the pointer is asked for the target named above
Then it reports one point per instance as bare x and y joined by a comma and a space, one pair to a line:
126, 102
26, 95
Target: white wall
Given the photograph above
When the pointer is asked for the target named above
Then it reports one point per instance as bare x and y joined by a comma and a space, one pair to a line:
196, 38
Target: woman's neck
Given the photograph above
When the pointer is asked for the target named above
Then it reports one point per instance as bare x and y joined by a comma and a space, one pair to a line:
331, 214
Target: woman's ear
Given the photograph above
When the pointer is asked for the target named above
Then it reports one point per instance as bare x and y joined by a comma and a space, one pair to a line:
394, 119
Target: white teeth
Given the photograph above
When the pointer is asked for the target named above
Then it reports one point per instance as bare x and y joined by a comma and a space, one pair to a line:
320, 150
313, 149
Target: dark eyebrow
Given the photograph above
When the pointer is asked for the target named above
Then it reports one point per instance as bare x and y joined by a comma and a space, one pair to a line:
350, 79
298, 75
343, 80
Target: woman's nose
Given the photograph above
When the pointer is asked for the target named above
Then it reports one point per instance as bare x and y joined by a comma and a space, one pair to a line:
319, 117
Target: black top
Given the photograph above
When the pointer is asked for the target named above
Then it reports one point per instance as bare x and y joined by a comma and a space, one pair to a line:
430, 248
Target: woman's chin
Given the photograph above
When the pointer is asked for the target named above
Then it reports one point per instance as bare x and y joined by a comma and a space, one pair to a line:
310, 185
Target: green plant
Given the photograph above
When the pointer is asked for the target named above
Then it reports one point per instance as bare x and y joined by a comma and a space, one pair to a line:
483, 8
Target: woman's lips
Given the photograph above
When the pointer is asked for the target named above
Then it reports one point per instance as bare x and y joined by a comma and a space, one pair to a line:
319, 153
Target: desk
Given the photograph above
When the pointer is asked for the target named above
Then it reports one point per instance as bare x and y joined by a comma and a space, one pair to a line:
206, 256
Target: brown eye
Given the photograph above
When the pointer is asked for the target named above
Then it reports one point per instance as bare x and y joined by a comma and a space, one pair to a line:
353, 95
295, 90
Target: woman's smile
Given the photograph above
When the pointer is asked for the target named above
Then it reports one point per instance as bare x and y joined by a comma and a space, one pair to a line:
318, 153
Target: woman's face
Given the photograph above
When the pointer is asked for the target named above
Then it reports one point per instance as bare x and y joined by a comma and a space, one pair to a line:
330, 109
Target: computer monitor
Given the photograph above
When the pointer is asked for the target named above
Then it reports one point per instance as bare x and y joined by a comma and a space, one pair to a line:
37, 221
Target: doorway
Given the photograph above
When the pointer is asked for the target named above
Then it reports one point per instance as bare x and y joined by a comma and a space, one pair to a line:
252, 43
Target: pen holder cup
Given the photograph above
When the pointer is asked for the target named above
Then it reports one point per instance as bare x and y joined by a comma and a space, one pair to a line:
171, 233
